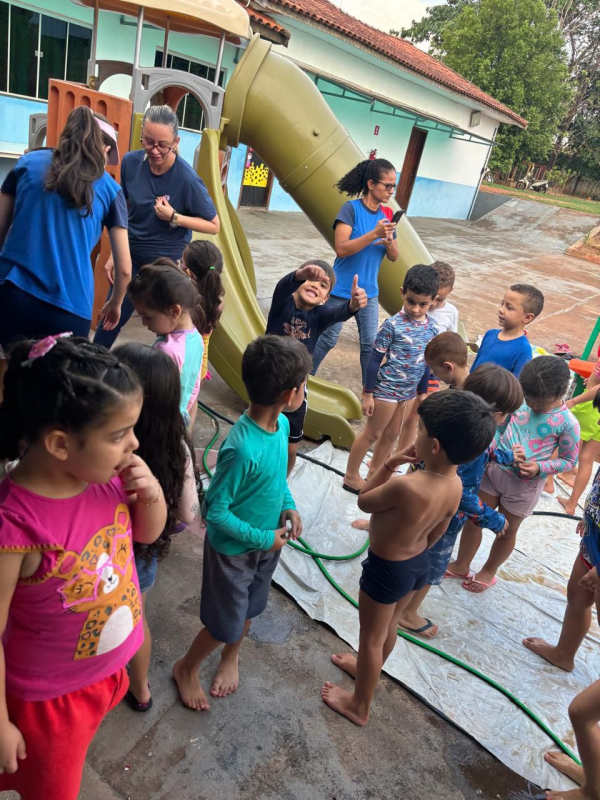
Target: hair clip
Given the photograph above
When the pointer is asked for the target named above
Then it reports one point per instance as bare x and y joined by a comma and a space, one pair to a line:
209, 269
43, 347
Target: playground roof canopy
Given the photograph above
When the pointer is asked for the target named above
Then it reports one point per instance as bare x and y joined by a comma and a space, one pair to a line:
200, 17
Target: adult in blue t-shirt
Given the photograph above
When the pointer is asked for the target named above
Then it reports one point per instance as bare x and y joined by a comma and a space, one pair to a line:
363, 236
167, 200
53, 206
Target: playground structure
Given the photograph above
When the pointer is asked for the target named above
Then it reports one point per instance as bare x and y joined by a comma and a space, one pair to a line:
270, 105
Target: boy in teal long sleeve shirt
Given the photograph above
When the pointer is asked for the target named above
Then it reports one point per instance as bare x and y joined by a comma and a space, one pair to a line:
247, 509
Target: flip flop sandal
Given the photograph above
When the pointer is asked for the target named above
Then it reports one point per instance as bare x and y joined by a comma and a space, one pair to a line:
469, 585
449, 574
350, 488
135, 704
421, 631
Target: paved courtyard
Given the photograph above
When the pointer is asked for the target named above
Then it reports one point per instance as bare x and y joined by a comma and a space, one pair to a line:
275, 739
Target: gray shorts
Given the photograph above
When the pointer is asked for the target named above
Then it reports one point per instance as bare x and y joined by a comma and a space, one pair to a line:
234, 589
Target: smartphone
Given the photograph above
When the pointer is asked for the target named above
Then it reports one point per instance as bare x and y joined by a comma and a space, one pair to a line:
397, 216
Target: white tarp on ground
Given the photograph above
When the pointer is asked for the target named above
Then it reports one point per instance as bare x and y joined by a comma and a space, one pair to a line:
484, 631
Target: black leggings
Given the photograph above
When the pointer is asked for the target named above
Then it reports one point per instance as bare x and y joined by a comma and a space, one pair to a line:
23, 316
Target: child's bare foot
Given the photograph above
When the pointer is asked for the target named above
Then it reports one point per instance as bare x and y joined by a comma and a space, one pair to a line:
189, 687
345, 661
572, 794
568, 505
361, 524
227, 677
549, 653
342, 702
565, 764
567, 477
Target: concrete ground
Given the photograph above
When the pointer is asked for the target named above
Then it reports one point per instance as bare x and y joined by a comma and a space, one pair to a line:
275, 739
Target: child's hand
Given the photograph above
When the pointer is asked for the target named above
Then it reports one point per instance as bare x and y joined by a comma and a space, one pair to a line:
281, 538
529, 469
12, 747
519, 454
294, 517
580, 527
504, 529
591, 581
358, 295
368, 405
311, 273
406, 456
139, 480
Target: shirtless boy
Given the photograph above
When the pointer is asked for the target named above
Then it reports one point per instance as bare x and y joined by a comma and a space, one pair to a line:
409, 514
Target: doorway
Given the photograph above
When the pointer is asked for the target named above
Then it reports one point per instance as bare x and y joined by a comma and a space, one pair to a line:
257, 181
412, 159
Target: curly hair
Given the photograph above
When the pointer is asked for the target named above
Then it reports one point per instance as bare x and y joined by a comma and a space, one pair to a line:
356, 182
204, 261
161, 432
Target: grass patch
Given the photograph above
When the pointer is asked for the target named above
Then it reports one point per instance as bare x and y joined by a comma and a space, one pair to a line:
561, 200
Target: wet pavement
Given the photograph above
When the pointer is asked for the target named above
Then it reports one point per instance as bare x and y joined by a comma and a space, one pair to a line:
275, 739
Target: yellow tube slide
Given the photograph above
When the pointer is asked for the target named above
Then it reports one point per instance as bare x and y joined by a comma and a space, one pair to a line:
272, 106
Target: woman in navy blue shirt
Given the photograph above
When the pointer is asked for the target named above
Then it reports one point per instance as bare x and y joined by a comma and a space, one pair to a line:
363, 236
167, 201
53, 206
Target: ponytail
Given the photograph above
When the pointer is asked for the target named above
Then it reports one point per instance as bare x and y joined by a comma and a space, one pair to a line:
204, 261
78, 160
162, 284
356, 182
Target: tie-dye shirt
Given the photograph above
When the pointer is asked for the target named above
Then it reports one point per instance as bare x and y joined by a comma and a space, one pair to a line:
403, 341
540, 435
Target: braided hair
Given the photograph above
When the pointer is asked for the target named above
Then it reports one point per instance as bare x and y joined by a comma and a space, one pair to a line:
75, 387
356, 182
545, 378
205, 262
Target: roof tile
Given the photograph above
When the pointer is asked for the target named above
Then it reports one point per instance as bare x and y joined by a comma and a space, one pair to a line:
397, 49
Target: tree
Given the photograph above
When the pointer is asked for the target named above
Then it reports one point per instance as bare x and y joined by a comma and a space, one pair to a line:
431, 27
513, 50
579, 23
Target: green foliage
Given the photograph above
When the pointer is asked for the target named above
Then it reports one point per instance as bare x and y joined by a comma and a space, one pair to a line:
513, 50
436, 18
558, 178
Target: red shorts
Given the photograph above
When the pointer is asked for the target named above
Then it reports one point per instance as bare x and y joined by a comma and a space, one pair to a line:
57, 735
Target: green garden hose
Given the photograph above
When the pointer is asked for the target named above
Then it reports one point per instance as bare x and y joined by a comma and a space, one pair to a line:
318, 558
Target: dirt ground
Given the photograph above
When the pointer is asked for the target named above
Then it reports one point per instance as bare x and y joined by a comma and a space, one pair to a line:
275, 739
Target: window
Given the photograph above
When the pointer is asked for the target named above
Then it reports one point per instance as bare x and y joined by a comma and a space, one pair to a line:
35, 47
189, 111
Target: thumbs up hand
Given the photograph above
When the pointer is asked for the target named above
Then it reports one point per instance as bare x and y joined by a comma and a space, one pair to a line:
358, 296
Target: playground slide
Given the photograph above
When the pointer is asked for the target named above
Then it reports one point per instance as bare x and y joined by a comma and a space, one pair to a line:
274, 107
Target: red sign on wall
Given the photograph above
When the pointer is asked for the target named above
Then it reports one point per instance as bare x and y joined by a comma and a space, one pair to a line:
376, 131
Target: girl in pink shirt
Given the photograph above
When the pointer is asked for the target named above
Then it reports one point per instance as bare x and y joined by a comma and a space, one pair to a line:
70, 611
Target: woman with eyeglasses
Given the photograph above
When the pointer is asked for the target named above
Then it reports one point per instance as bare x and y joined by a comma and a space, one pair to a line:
53, 207
167, 201
364, 235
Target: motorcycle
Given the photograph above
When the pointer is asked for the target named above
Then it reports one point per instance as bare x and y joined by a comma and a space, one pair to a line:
537, 186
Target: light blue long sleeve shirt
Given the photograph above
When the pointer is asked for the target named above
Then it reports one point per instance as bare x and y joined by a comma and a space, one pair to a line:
249, 491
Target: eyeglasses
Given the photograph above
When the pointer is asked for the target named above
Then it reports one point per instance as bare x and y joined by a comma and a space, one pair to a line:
389, 186
163, 148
